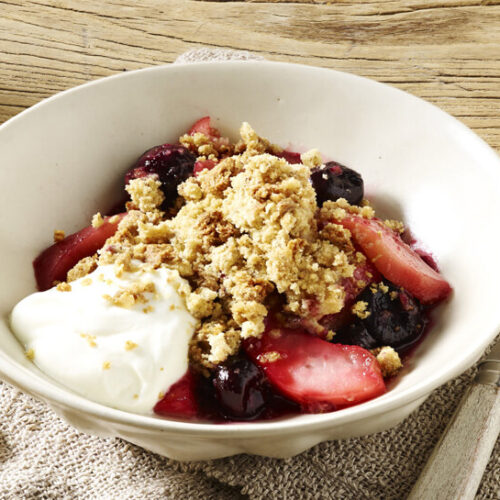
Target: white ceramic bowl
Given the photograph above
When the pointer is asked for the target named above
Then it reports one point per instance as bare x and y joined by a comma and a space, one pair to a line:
64, 159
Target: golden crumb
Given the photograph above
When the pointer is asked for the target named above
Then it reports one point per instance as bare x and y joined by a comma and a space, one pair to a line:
106, 365
311, 158
129, 345
161, 395
89, 338
161, 369
82, 268
30, 354
86, 282
148, 309
359, 309
146, 193
395, 225
136, 396
127, 297
97, 220
63, 287
59, 235
388, 359
269, 357
330, 334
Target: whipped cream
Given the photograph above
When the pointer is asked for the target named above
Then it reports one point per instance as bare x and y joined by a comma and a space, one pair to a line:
124, 356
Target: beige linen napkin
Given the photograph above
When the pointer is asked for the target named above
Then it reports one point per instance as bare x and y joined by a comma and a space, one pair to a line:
42, 457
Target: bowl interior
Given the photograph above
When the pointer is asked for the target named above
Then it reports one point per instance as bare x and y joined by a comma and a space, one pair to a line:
64, 159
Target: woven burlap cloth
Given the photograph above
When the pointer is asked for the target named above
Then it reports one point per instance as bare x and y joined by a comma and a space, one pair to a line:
42, 457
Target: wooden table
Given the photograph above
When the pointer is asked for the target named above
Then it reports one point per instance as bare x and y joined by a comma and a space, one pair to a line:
446, 51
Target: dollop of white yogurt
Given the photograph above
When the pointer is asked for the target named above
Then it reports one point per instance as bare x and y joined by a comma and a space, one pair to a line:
123, 357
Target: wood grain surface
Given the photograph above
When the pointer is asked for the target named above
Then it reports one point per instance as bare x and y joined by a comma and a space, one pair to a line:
446, 51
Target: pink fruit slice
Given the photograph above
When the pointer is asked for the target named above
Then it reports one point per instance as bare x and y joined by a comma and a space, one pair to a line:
396, 261
310, 371
180, 400
54, 262
203, 126
203, 165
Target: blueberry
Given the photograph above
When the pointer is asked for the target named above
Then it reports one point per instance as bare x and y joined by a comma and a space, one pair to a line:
396, 319
333, 181
172, 164
241, 389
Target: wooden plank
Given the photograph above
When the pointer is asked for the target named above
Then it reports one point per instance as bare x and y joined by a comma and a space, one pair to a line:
447, 52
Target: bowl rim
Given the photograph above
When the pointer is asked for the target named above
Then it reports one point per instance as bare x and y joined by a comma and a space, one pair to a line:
22, 377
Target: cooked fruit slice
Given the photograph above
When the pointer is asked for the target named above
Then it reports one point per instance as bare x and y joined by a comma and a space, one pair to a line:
310, 370
395, 260
54, 263
180, 400
203, 126
333, 181
171, 163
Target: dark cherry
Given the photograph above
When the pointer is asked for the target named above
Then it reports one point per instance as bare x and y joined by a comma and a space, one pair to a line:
241, 389
333, 181
396, 319
172, 163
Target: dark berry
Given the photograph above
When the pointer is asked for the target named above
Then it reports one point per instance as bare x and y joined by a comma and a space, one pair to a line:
355, 333
396, 319
171, 163
241, 389
333, 181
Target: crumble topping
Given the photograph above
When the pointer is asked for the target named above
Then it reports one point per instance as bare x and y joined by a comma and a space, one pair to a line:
131, 295
311, 158
244, 232
359, 309
59, 235
97, 220
388, 359
63, 287
30, 354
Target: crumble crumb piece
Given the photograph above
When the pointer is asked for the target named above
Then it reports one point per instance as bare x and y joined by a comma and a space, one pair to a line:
161, 395
106, 365
127, 297
63, 287
311, 158
148, 309
59, 235
136, 396
359, 309
86, 282
395, 225
330, 334
97, 220
89, 338
129, 345
146, 193
269, 357
82, 268
30, 354
388, 359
